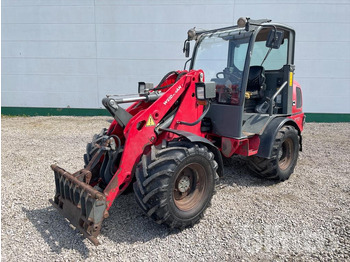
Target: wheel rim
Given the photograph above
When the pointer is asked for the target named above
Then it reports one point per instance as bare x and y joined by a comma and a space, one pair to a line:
285, 154
190, 185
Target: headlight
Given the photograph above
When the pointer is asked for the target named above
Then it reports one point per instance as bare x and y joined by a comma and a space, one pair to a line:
144, 88
200, 93
205, 90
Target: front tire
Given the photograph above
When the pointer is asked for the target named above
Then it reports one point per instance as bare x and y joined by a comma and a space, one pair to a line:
283, 159
91, 148
174, 185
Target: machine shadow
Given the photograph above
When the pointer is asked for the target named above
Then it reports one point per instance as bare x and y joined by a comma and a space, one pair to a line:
56, 231
127, 223
237, 172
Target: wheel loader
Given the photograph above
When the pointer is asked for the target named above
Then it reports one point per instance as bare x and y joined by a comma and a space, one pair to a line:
237, 97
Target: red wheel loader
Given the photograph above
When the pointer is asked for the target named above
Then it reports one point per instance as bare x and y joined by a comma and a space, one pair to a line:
237, 97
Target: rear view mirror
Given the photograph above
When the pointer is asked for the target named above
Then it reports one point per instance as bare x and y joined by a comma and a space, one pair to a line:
187, 49
275, 38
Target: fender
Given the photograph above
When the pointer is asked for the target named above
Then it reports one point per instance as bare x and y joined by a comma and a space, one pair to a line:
267, 138
194, 138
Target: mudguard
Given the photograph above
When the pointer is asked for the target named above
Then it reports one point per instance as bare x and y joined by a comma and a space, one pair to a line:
267, 138
194, 138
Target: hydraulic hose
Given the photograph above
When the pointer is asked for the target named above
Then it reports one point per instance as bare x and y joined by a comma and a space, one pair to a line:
199, 119
159, 87
163, 80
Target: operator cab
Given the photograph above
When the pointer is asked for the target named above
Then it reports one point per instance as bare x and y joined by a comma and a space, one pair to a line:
252, 67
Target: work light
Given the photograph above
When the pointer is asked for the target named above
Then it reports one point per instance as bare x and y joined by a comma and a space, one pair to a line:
144, 88
205, 90
241, 22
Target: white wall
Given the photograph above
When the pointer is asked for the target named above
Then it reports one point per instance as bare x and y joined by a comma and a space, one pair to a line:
60, 53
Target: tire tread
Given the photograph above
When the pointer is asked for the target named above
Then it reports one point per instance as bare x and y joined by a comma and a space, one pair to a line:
153, 175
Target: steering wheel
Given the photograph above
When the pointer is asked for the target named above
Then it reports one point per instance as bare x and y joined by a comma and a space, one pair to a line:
220, 73
231, 73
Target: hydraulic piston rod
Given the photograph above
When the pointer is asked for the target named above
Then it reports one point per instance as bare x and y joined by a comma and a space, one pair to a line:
149, 97
119, 113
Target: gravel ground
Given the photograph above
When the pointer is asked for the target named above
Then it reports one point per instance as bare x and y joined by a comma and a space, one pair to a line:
304, 218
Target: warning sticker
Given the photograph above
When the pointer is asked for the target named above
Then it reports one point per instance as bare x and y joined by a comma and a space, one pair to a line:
290, 78
150, 121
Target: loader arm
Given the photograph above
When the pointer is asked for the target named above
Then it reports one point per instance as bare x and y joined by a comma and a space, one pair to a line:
140, 133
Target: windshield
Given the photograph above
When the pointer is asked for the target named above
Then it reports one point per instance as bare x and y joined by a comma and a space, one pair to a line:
211, 56
222, 57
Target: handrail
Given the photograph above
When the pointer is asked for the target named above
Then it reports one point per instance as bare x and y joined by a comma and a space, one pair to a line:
274, 97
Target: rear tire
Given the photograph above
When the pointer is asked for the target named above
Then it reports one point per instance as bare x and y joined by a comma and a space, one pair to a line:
283, 159
174, 185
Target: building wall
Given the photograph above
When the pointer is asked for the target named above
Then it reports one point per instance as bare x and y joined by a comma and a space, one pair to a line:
71, 53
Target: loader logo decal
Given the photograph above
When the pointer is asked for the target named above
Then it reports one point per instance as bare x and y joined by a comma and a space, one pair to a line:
150, 121
171, 96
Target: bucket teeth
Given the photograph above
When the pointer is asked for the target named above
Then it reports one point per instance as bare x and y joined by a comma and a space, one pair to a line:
84, 206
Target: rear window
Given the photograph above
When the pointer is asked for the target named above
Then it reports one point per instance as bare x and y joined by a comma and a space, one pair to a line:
299, 98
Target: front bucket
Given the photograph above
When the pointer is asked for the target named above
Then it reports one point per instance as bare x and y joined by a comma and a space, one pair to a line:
81, 204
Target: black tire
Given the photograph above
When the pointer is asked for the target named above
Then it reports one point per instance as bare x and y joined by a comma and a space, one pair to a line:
283, 159
91, 149
174, 185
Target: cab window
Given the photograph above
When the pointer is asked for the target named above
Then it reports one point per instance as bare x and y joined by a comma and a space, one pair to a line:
275, 58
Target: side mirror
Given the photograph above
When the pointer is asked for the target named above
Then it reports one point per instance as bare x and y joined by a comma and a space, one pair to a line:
186, 48
275, 38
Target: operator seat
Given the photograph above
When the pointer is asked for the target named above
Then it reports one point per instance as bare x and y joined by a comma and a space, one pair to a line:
256, 81
255, 88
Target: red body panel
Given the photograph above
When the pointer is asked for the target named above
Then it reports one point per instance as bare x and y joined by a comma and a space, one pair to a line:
297, 113
245, 147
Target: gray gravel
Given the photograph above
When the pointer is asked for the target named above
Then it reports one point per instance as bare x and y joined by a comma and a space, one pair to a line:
304, 218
